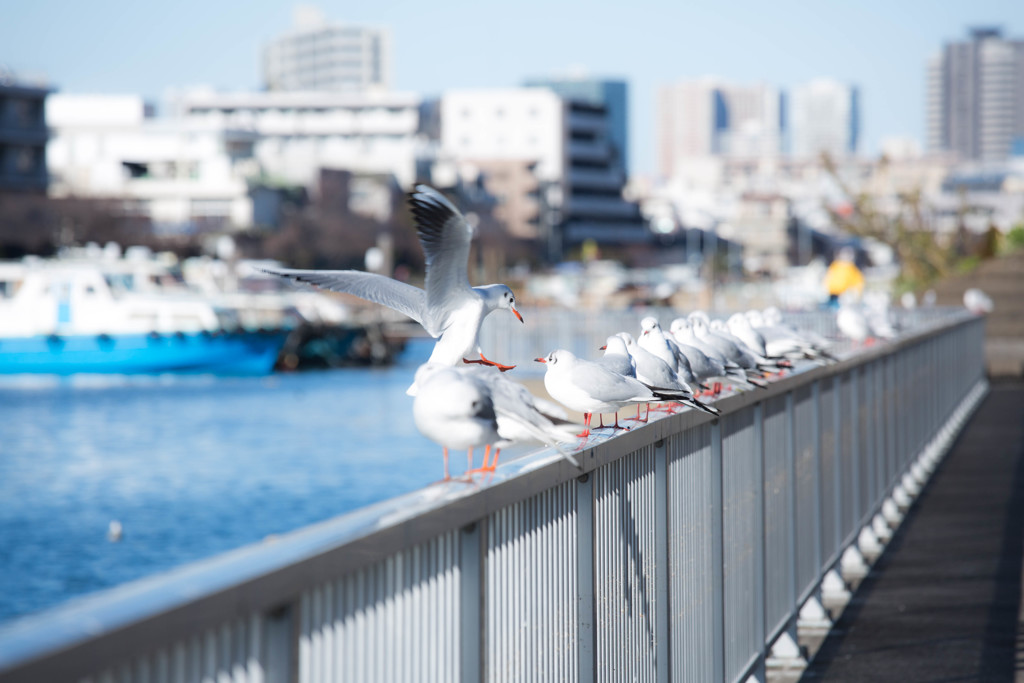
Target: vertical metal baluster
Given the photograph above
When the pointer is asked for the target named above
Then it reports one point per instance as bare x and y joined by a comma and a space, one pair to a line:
662, 644
585, 576
471, 623
717, 553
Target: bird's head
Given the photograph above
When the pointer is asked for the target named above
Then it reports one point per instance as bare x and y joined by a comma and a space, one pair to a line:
500, 296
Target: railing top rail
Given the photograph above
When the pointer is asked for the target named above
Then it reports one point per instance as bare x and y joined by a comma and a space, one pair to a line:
268, 575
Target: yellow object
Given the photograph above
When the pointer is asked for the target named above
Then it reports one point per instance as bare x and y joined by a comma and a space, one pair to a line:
843, 275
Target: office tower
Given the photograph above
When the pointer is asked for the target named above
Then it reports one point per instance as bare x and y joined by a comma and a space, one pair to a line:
711, 118
824, 117
319, 55
975, 100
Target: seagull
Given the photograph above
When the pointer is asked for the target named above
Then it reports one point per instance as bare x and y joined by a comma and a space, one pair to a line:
977, 301
448, 308
851, 321
617, 357
454, 410
590, 388
521, 415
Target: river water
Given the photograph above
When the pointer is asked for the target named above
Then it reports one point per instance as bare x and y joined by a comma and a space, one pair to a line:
190, 466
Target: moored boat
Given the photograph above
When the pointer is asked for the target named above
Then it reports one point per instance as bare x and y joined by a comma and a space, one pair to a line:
66, 317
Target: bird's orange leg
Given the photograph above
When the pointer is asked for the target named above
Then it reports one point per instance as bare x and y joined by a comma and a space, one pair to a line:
484, 361
446, 475
586, 421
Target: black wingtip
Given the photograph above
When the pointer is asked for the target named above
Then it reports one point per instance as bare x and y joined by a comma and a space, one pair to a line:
430, 212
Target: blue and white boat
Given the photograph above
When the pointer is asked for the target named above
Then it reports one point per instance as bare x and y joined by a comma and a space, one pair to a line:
73, 316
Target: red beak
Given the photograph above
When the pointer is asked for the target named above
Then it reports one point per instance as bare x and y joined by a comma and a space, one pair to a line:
540, 360
603, 348
518, 316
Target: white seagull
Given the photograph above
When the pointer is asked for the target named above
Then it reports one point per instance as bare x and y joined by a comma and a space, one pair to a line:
448, 308
590, 388
454, 410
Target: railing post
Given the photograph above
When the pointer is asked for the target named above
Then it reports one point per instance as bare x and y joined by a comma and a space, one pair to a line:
837, 458
791, 499
586, 630
472, 629
855, 454
717, 553
662, 645
819, 542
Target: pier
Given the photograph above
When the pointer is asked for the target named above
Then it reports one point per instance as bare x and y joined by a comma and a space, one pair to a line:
690, 549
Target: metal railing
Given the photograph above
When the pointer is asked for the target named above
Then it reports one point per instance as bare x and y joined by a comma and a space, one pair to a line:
681, 551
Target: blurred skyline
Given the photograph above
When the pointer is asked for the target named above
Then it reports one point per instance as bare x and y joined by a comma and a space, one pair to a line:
882, 47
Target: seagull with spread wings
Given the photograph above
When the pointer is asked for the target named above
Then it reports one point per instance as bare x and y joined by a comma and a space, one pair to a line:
448, 308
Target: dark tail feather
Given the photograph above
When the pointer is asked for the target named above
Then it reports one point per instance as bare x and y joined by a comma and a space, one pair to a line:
694, 403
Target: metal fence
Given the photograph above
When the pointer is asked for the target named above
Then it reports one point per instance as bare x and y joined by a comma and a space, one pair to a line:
681, 551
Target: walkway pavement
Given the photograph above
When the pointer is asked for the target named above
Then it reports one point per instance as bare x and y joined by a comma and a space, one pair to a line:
943, 603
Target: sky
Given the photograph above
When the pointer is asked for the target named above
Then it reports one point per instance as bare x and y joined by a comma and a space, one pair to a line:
881, 46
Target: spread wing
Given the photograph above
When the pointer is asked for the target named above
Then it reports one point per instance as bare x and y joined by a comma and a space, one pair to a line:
445, 236
376, 288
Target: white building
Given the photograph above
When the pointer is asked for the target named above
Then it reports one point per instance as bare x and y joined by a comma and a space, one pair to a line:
182, 175
301, 132
824, 117
318, 55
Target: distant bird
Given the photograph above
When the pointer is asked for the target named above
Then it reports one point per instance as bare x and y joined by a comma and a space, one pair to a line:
590, 388
115, 531
448, 308
976, 301
851, 321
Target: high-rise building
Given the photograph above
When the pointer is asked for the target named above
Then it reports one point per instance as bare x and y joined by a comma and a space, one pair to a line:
824, 117
975, 101
319, 55
612, 95
711, 118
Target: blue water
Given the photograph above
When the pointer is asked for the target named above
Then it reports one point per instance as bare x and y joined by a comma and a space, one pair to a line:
191, 466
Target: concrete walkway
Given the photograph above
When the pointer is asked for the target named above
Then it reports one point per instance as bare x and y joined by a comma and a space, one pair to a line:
943, 603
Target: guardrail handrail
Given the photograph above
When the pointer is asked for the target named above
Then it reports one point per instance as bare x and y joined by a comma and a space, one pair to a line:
263, 599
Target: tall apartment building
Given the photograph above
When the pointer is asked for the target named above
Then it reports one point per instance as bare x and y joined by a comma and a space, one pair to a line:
711, 118
562, 145
23, 136
824, 117
975, 100
319, 55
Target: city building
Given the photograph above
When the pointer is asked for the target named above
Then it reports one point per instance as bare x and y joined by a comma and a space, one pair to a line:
576, 176
975, 99
23, 137
611, 94
711, 118
824, 118
300, 133
180, 175
320, 55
